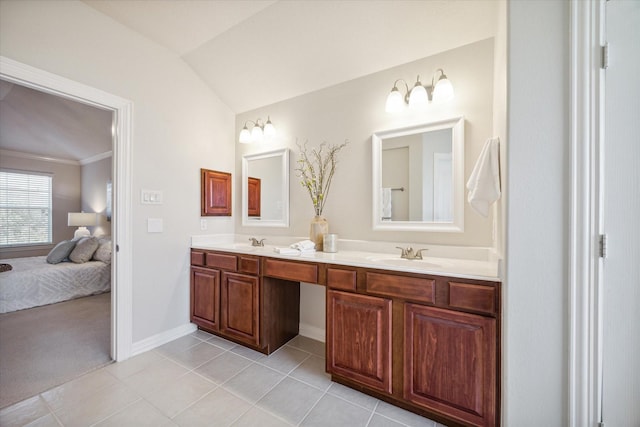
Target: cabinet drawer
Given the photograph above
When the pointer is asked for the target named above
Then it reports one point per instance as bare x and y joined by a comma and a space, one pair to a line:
341, 279
289, 270
197, 258
411, 288
249, 265
228, 262
472, 297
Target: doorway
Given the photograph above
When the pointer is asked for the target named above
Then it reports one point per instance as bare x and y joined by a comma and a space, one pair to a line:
122, 271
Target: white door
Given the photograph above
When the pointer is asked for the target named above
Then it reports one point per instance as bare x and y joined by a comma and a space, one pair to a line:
621, 218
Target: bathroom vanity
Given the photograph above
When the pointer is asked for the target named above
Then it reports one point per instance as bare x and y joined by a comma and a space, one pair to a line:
401, 330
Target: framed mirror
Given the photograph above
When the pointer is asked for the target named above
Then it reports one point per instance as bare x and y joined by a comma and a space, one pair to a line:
265, 189
418, 177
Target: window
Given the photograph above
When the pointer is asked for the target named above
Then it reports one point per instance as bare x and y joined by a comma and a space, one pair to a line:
25, 208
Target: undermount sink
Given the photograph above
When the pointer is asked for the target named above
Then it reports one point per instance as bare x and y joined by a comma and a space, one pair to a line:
403, 262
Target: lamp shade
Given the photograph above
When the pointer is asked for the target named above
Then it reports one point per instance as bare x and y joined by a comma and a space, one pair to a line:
256, 134
443, 91
395, 101
245, 136
269, 130
418, 96
81, 219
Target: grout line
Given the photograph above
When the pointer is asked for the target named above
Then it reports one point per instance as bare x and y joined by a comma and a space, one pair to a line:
373, 412
117, 412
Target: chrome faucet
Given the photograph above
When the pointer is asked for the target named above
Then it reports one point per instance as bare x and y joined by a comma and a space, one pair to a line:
256, 242
409, 253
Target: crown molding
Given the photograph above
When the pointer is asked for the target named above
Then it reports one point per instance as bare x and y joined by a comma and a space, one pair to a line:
30, 156
96, 158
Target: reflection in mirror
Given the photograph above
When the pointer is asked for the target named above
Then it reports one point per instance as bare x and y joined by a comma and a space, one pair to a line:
265, 189
418, 177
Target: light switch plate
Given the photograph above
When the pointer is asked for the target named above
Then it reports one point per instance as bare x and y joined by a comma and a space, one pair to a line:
151, 197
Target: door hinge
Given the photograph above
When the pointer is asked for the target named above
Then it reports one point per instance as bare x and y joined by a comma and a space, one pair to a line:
603, 245
601, 423
117, 248
605, 56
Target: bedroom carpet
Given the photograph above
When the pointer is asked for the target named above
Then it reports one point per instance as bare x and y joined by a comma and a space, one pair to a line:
43, 347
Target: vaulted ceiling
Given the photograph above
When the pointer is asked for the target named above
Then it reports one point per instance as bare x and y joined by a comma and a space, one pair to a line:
257, 52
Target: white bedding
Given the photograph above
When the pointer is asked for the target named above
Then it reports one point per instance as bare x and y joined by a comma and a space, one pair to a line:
33, 282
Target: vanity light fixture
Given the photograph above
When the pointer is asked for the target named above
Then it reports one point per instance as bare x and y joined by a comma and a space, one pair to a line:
261, 131
420, 95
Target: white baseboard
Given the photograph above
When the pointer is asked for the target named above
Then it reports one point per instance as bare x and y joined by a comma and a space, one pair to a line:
312, 332
162, 338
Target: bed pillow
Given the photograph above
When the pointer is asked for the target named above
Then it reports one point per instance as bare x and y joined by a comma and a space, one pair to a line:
103, 253
61, 251
84, 250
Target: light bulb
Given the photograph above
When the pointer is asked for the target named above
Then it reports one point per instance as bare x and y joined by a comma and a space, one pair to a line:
443, 91
418, 96
256, 134
269, 130
245, 135
395, 101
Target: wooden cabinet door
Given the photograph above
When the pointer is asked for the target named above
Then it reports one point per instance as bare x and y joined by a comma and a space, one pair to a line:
253, 196
205, 297
240, 296
359, 338
215, 193
450, 363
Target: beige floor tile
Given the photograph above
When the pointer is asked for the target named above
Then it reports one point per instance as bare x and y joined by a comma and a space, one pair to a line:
285, 360
221, 342
247, 352
379, 421
405, 417
23, 412
308, 345
256, 417
197, 355
178, 345
77, 390
133, 365
97, 406
200, 334
218, 408
139, 414
335, 412
182, 392
312, 371
254, 382
223, 367
290, 400
155, 377
47, 421
353, 396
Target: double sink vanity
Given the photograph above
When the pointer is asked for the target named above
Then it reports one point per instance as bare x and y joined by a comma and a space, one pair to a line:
422, 334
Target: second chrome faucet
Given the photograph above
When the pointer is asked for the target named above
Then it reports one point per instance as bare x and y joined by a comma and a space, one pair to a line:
409, 253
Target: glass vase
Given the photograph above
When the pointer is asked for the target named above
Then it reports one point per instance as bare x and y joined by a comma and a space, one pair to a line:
319, 227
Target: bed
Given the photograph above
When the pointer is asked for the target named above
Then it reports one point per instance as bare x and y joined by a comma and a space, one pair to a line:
33, 282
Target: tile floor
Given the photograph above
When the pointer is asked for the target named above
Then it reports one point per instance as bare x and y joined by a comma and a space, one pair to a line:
203, 380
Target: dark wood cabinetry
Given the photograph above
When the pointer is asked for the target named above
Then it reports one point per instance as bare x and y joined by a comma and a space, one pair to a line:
427, 343
253, 196
450, 363
230, 298
205, 297
239, 308
215, 193
359, 338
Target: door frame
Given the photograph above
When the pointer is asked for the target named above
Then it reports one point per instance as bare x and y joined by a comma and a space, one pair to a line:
121, 266
585, 272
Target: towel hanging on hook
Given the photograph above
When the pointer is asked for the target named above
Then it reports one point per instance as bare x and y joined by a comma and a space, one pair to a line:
484, 182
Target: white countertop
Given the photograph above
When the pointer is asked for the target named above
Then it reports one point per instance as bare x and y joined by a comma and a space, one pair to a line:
461, 262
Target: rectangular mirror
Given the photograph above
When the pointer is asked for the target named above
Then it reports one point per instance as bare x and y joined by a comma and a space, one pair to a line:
265, 189
418, 177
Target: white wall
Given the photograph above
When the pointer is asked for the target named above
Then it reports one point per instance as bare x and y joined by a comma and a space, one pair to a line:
179, 126
535, 291
95, 176
354, 110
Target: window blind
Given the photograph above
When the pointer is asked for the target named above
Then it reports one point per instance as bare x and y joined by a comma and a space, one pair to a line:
25, 208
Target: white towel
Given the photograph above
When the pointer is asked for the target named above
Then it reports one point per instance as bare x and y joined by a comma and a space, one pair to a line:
484, 182
386, 203
293, 251
303, 245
